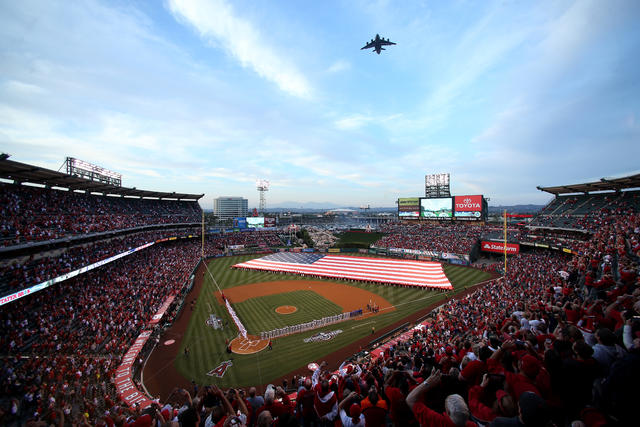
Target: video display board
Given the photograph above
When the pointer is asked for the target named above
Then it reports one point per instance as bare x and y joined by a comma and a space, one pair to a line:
467, 206
239, 222
255, 221
440, 208
269, 221
409, 207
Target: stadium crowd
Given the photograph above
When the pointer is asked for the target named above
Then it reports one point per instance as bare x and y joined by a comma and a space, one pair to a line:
21, 272
61, 346
556, 342
451, 238
29, 214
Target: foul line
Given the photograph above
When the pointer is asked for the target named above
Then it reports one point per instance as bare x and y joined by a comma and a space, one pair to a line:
362, 324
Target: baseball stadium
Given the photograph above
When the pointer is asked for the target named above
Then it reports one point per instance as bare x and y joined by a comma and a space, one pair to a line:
230, 213
130, 307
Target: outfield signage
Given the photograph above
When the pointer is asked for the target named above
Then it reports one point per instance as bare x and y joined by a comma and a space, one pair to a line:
413, 252
512, 248
240, 222
467, 206
409, 207
125, 387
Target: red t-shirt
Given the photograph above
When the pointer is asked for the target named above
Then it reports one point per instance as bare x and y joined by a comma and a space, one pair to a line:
430, 418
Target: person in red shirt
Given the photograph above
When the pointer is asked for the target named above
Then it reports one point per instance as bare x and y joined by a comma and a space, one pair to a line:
396, 388
456, 410
276, 408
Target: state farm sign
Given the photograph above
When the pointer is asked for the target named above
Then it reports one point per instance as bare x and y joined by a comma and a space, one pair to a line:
512, 248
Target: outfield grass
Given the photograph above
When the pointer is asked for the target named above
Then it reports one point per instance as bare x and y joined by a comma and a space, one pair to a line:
207, 346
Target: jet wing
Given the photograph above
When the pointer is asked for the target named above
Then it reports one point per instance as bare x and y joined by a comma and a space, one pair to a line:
369, 45
386, 43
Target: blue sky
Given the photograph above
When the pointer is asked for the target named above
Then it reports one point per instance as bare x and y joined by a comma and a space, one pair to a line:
207, 96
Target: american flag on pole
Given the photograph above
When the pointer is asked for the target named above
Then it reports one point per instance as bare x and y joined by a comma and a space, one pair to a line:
383, 270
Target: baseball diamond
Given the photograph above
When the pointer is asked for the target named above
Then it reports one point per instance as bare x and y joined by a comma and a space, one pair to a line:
255, 296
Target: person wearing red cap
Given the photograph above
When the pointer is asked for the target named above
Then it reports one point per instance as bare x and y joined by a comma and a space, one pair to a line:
355, 418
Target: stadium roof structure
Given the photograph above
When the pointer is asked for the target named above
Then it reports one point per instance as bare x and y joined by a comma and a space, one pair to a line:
605, 184
24, 173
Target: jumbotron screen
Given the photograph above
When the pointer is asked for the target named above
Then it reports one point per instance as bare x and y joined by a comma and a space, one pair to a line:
440, 208
255, 221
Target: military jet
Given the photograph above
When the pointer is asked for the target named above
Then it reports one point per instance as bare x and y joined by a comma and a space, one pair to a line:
377, 44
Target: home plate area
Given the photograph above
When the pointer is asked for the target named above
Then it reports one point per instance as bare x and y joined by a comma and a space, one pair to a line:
251, 344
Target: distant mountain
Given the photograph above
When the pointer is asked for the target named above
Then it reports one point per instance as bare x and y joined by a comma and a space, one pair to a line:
521, 209
304, 205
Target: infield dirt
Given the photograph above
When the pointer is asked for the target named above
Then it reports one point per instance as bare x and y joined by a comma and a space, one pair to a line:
350, 298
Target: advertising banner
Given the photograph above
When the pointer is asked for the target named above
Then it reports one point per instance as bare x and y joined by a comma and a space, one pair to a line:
512, 248
440, 208
125, 387
12, 297
467, 206
158, 316
453, 258
240, 222
269, 221
409, 207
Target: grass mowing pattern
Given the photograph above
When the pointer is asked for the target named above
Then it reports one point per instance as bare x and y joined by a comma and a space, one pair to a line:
258, 314
207, 346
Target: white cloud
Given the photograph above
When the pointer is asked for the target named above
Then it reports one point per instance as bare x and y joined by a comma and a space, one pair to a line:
216, 21
338, 66
16, 87
353, 122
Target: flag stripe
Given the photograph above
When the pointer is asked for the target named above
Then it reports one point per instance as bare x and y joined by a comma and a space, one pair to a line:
414, 273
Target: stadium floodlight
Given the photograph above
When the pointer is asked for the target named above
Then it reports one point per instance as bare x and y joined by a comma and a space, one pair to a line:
436, 185
263, 186
82, 169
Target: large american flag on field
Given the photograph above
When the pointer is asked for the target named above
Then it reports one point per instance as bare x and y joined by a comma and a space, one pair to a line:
384, 270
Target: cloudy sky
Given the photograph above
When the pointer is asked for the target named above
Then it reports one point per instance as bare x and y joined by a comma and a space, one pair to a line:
207, 96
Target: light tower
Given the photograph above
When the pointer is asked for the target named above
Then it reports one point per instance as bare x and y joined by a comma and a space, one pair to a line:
263, 187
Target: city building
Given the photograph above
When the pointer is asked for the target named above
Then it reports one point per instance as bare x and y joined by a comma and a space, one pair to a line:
230, 207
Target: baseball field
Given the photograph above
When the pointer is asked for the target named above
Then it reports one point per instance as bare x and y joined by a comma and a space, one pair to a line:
264, 301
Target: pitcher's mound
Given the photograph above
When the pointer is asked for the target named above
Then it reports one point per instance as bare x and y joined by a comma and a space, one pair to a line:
286, 309
251, 344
